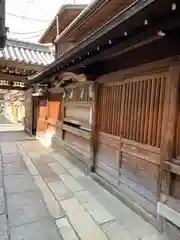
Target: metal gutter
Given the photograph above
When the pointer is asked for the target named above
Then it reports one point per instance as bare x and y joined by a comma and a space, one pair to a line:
134, 8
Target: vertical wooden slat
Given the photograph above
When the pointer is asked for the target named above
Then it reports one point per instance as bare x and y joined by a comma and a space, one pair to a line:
111, 108
145, 84
129, 110
119, 110
102, 92
114, 103
118, 114
105, 107
126, 111
156, 110
118, 107
132, 110
151, 112
108, 109
139, 126
135, 110
160, 114
147, 112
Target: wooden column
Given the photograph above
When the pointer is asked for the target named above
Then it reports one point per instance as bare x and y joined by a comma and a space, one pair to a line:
62, 117
94, 127
168, 135
57, 25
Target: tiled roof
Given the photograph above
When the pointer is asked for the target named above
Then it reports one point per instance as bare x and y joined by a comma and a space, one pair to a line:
25, 52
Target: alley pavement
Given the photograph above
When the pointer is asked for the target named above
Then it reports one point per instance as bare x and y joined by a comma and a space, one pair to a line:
45, 196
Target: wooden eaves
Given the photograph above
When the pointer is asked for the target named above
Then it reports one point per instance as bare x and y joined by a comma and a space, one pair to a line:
65, 15
124, 30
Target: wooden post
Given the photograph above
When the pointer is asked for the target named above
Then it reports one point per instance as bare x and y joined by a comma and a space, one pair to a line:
62, 116
57, 25
94, 128
168, 134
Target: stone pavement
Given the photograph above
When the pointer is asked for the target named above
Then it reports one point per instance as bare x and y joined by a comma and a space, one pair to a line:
43, 195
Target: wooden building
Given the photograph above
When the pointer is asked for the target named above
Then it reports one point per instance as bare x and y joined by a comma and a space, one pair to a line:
113, 101
18, 60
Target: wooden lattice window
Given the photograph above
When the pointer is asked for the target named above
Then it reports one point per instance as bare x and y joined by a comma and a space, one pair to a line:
109, 108
133, 109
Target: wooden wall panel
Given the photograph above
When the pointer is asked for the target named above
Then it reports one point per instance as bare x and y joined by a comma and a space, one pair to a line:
135, 176
77, 113
177, 140
79, 144
130, 120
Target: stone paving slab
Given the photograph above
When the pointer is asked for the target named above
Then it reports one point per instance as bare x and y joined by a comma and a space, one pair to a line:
18, 183
8, 158
75, 172
32, 169
88, 184
63, 161
81, 221
9, 147
2, 201
93, 207
66, 229
46, 172
14, 168
130, 220
3, 227
25, 207
71, 183
116, 232
54, 208
1, 176
57, 168
41, 230
60, 191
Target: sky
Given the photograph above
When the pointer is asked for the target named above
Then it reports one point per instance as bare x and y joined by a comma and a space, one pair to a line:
28, 19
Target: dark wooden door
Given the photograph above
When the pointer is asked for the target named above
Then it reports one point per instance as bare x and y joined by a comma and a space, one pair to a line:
53, 112
42, 118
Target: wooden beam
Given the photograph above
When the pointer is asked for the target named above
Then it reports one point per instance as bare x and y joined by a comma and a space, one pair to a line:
171, 167
13, 88
9, 77
168, 213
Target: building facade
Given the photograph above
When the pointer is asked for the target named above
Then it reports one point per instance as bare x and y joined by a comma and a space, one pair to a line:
113, 102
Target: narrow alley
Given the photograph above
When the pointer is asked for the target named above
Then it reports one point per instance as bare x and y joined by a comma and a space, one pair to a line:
45, 196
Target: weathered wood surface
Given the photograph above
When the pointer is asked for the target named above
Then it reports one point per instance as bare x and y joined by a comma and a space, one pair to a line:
168, 134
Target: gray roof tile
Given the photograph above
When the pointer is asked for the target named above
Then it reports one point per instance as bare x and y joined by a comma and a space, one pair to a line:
29, 53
